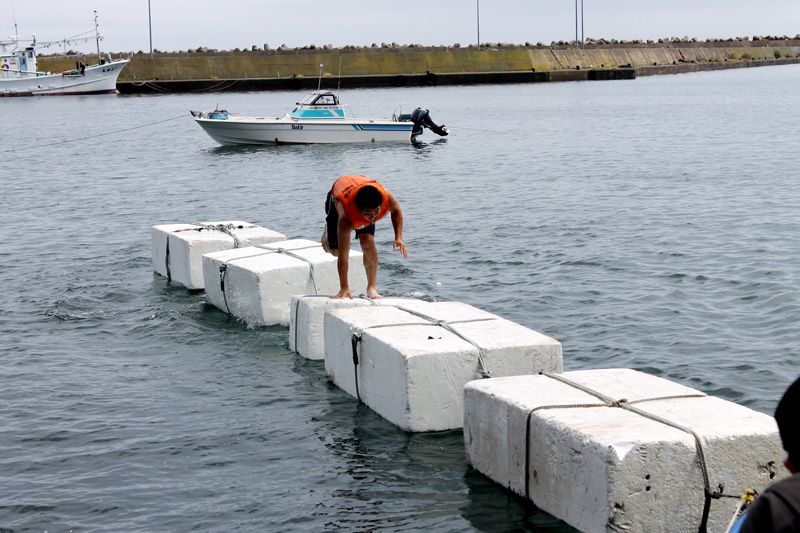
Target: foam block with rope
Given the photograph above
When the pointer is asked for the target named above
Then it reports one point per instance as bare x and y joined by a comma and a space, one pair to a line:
256, 284
177, 249
306, 332
410, 367
620, 450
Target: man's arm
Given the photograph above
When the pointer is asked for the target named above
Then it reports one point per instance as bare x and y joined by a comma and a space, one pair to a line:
344, 228
397, 224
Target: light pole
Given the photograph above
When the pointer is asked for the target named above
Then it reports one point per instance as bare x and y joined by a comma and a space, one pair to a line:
578, 42
478, 3
583, 40
150, 26
576, 23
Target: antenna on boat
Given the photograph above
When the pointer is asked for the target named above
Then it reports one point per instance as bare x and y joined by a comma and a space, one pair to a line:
319, 84
339, 78
16, 29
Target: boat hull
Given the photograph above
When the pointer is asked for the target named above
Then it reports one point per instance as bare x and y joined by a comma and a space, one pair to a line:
291, 131
96, 79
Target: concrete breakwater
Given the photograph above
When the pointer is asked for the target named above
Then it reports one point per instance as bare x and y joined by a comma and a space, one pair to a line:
416, 65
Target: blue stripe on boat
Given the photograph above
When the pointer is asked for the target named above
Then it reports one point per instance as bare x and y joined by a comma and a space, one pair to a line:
387, 127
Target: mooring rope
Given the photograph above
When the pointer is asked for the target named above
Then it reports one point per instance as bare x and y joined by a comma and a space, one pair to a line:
627, 405
222, 85
95, 136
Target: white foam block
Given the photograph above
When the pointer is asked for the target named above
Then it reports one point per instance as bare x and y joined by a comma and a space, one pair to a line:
306, 331
259, 282
177, 249
604, 469
414, 375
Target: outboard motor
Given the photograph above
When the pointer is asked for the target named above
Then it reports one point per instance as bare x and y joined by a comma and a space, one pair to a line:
421, 119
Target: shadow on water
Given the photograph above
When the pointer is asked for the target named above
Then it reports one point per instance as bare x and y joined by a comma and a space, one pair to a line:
386, 466
239, 149
494, 509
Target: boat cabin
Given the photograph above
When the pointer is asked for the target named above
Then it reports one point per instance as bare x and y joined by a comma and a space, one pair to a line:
17, 63
319, 104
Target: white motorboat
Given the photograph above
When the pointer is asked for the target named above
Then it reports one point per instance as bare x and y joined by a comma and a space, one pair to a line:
19, 75
320, 118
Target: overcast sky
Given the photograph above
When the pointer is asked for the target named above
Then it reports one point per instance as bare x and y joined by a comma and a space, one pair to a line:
228, 24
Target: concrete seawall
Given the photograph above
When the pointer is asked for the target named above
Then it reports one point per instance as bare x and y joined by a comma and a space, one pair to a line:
377, 67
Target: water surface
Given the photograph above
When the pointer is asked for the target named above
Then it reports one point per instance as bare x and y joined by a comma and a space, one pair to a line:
652, 224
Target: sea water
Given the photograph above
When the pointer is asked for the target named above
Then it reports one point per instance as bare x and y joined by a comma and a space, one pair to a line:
652, 224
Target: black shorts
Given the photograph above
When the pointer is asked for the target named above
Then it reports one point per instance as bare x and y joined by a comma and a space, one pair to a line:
332, 221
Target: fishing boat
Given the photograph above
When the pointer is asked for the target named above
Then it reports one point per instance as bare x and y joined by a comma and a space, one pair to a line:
19, 75
319, 118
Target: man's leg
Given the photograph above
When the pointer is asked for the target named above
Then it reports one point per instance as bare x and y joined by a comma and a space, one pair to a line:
330, 237
370, 251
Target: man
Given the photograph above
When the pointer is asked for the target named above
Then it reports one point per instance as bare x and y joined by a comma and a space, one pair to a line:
356, 203
778, 509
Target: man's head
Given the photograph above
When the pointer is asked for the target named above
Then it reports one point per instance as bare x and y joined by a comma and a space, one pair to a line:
368, 201
789, 424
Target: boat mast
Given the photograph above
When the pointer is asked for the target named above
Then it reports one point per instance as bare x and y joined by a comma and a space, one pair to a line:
16, 28
319, 83
97, 36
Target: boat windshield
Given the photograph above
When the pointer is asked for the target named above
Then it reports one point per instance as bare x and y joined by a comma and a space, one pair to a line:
321, 98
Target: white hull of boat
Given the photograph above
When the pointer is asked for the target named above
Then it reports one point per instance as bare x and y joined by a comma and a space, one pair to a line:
95, 79
286, 130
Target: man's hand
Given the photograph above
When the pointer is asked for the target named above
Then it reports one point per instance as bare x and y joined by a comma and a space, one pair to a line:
324, 240
399, 244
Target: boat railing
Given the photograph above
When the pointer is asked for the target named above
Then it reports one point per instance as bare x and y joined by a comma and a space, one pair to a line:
219, 114
9, 73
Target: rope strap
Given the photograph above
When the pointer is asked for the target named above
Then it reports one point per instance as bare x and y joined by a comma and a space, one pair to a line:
166, 261
628, 406
374, 303
431, 321
223, 273
281, 250
356, 338
223, 268
224, 228
297, 312
484, 373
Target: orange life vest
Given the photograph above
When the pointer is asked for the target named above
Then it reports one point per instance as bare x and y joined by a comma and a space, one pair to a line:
345, 190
